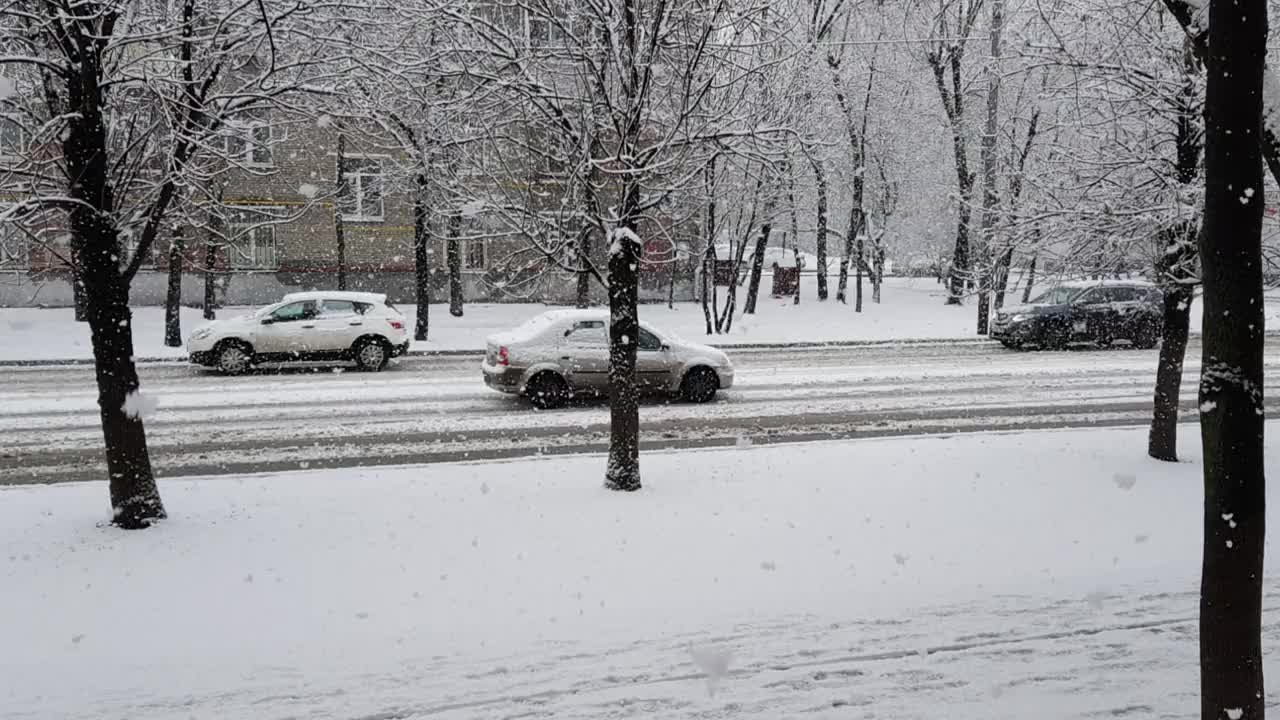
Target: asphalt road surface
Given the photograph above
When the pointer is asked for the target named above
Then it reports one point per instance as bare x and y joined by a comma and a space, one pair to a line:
437, 409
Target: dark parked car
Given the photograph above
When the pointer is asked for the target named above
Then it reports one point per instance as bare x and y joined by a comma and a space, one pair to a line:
1100, 312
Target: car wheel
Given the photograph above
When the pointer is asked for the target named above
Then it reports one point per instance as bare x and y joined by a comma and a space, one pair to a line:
700, 385
547, 390
233, 357
370, 354
1056, 339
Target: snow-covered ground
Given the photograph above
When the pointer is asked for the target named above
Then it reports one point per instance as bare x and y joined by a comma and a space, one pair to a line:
1047, 575
911, 309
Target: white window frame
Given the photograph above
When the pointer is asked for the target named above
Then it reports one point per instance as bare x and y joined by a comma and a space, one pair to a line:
15, 255
466, 254
245, 235
244, 132
356, 181
7, 153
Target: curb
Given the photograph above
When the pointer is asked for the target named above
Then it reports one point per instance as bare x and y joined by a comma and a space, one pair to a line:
798, 345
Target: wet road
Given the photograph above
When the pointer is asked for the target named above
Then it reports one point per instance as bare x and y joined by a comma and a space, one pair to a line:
436, 409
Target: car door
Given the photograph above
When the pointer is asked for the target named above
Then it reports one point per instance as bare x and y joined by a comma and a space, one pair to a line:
1129, 306
1091, 315
585, 356
338, 324
653, 362
290, 329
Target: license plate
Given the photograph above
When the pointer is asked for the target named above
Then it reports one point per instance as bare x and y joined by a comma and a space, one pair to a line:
1080, 326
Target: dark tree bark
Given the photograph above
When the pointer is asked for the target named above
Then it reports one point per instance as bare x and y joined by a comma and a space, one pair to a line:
173, 295
820, 241
878, 263
454, 258
339, 226
709, 309
1002, 277
623, 472
731, 296
80, 300
583, 299
795, 228
421, 258
210, 304
953, 105
757, 265
135, 499
1231, 378
858, 263
1031, 281
1176, 273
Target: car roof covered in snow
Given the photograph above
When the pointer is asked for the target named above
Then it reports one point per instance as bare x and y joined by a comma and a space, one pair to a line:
362, 297
1104, 283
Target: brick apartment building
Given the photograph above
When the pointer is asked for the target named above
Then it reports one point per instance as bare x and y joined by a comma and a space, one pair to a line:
278, 233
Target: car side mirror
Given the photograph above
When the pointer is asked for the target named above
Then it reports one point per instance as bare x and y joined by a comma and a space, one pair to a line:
268, 320
665, 347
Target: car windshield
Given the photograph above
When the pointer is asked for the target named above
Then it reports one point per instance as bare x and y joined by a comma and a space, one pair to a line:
1057, 296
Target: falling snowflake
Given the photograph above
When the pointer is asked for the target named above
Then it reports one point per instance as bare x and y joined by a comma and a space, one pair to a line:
714, 664
308, 191
1124, 481
139, 406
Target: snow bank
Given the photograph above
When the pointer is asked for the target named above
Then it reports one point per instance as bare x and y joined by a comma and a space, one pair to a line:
395, 591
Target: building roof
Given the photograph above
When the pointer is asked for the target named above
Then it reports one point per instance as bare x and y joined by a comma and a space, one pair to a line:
363, 297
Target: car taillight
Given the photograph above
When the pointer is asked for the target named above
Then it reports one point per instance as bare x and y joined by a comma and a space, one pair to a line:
397, 324
503, 358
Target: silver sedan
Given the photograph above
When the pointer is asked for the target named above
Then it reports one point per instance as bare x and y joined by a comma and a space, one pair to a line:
563, 353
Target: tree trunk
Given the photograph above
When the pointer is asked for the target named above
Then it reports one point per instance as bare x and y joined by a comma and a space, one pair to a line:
421, 258
173, 296
757, 264
1162, 441
583, 299
709, 309
1176, 272
671, 289
795, 228
1031, 281
820, 241
96, 247
859, 262
454, 257
1231, 378
623, 471
339, 228
210, 304
1002, 276
988, 225
77, 289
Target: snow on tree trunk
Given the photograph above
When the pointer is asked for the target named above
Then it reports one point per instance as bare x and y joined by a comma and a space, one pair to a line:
210, 304
757, 260
1231, 376
820, 178
583, 297
987, 232
173, 294
623, 472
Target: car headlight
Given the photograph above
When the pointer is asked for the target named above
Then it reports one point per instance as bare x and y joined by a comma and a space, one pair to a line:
201, 333
1020, 318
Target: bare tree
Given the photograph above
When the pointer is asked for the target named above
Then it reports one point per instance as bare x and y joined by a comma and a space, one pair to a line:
118, 103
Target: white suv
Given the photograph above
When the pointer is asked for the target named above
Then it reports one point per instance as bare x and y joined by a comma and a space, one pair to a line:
360, 327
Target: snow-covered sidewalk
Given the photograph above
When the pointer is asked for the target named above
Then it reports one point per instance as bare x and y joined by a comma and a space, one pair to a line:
1024, 575
912, 309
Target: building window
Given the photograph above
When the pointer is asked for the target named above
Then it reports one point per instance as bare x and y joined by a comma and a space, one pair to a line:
249, 143
474, 254
12, 137
360, 192
252, 239
14, 247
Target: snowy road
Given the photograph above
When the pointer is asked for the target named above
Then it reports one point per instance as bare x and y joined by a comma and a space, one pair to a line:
437, 410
